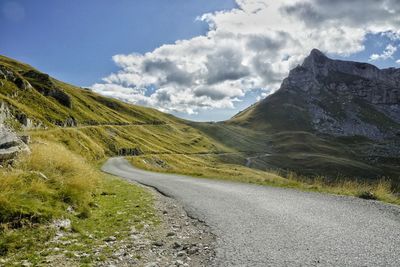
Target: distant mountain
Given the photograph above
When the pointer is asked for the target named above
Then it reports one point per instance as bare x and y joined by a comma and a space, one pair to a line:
329, 117
334, 97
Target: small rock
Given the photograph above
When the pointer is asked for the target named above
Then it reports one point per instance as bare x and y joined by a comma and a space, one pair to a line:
70, 209
110, 239
177, 245
26, 263
152, 264
193, 250
170, 234
62, 224
181, 253
158, 243
179, 263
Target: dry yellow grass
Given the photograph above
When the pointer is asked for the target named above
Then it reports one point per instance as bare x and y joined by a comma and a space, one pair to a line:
44, 183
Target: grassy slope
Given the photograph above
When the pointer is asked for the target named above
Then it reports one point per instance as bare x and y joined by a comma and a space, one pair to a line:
301, 151
279, 126
121, 126
44, 186
87, 107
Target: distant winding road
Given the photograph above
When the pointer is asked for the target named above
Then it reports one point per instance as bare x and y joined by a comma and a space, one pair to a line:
267, 226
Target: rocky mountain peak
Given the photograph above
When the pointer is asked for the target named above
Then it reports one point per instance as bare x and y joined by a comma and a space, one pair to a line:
318, 70
315, 60
346, 97
321, 66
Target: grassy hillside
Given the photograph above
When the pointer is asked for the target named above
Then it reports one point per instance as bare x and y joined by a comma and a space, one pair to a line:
85, 107
281, 111
303, 152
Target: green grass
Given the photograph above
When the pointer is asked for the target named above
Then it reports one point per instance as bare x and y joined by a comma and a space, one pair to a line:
298, 151
282, 111
119, 207
97, 142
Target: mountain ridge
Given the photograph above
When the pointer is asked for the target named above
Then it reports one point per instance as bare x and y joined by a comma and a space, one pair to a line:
336, 97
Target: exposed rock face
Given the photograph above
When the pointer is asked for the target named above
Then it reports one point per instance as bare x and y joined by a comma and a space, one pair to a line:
9, 75
10, 144
7, 114
70, 122
348, 98
130, 151
40, 81
43, 84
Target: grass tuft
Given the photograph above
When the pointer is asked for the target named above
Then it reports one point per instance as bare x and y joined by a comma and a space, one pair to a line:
43, 184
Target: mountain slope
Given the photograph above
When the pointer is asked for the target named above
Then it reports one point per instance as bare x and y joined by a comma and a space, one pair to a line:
92, 125
339, 98
330, 117
38, 99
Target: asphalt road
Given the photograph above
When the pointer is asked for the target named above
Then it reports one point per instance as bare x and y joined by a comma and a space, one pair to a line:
266, 226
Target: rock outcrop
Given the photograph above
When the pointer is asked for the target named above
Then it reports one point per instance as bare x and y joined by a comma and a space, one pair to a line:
37, 80
9, 75
346, 98
43, 84
10, 144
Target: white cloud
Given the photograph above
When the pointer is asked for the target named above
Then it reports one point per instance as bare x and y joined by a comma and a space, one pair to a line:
386, 54
392, 35
398, 61
250, 47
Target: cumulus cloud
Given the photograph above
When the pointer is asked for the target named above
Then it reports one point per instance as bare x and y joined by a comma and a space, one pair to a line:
386, 54
398, 61
251, 47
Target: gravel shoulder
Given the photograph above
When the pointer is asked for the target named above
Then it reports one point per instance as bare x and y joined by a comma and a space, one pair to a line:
178, 240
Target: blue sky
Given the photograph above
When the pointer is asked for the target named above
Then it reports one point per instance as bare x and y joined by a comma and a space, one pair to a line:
221, 55
74, 40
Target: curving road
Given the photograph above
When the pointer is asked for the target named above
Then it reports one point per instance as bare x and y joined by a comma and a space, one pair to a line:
267, 226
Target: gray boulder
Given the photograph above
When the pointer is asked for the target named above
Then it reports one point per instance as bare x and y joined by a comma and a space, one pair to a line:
10, 144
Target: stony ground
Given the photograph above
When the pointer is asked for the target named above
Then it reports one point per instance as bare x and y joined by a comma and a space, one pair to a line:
177, 241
